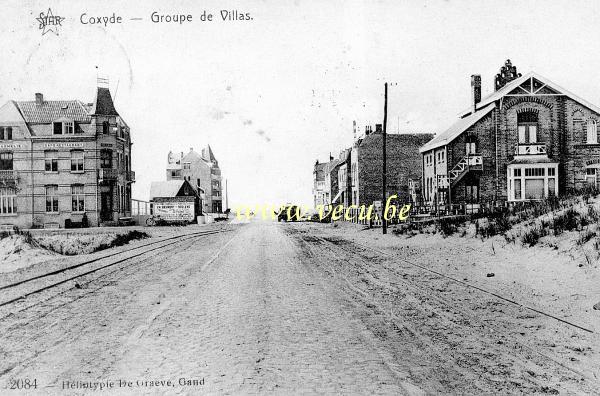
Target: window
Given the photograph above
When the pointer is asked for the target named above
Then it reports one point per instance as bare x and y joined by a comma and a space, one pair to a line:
6, 133
77, 161
176, 173
186, 165
534, 188
65, 127
52, 198
51, 161
517, 172
551, 172
527, 127
590, 176
518, 189
105, 128
470, 145
551, 185
106, 159
6, 161
592, 133
77, 198
472, 193
8, 201
68, 127
534, 172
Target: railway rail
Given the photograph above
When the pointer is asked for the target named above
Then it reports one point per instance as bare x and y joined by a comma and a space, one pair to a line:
493, 330
113, 259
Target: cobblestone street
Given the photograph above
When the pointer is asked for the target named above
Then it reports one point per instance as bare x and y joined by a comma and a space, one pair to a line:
268, 308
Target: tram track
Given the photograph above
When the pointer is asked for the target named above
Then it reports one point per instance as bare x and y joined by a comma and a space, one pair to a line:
44, 282
419, 303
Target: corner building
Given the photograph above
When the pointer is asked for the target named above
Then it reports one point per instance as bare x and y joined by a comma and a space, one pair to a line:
63, 159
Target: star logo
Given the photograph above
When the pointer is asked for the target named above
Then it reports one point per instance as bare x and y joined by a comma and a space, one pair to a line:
49, 22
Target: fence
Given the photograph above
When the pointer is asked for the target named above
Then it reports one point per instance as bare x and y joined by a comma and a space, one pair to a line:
140, 211
423, 212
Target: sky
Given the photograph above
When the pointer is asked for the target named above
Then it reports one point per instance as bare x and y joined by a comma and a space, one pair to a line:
275, 93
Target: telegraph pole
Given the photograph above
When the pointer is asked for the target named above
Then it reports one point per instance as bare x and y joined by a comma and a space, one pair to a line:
226, 196
383, 201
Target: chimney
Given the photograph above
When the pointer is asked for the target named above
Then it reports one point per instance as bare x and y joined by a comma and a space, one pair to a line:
39, 99
475, 90
330, 157
191, 149
367, 130
378, 128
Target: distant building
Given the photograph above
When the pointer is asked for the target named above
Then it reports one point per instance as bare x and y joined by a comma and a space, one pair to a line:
528, 140
175, 200
202, 172
63, 159
331, 186
366, 166
319, 184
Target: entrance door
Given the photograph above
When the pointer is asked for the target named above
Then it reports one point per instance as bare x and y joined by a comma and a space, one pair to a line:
106, 206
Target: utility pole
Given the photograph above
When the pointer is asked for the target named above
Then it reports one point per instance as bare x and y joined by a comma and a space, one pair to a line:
226, 195
384, 200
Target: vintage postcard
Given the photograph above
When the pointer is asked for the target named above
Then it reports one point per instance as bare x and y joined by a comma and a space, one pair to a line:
299, 197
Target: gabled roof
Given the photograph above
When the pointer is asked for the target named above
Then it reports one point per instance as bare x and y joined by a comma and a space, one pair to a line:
331, 165
166, 189
456, 129
487, 104
518, 81
52, 110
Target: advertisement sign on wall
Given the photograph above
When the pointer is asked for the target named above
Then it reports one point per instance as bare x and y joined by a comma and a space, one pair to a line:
174, 211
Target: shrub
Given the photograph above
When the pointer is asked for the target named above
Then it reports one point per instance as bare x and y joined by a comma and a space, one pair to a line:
532, 236
448, 225
566, 221
585, 236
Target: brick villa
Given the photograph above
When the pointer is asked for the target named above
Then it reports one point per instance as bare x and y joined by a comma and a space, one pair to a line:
528, 140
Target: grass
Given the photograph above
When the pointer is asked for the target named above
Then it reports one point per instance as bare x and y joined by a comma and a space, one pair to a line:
67, 249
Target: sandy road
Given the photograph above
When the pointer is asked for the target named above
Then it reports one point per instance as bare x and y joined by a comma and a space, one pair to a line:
265, 309
235, 314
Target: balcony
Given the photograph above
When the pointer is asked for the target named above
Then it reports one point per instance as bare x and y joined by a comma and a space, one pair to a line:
8, 176
470, 162
107, 174
531, 149
130, 176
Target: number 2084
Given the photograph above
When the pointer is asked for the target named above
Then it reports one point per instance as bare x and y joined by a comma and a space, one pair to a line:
22, 383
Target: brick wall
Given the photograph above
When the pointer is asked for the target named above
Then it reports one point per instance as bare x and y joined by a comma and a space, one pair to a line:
403, 163
561, 125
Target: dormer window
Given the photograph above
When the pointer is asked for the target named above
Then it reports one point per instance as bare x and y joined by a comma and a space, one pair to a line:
64, 127
592, 132
527, 127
